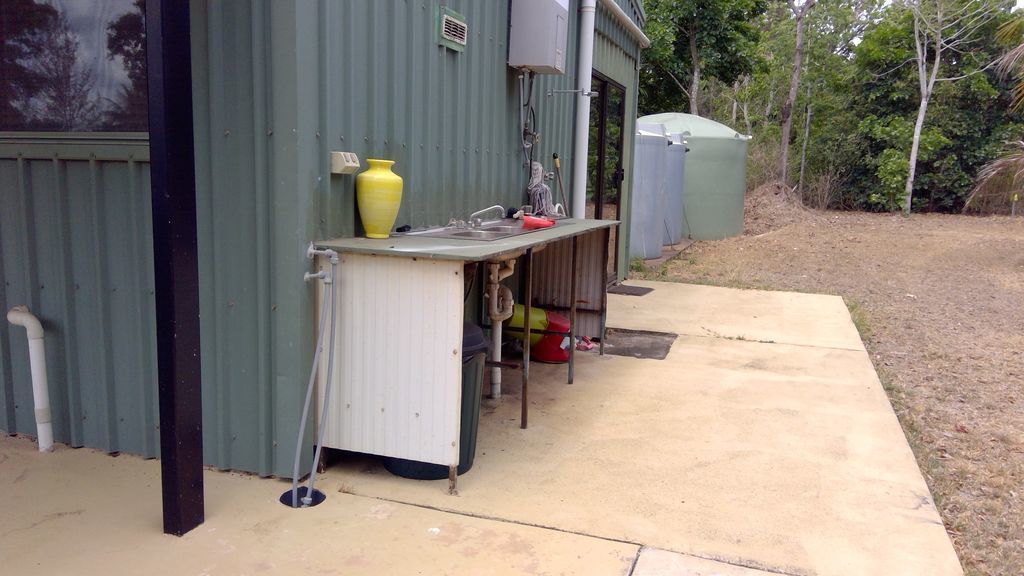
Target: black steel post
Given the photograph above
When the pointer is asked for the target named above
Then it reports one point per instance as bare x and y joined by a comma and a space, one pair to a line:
527, 301
604, 288
175, 262
573, 298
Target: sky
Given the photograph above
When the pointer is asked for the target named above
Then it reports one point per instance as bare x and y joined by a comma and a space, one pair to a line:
89, 20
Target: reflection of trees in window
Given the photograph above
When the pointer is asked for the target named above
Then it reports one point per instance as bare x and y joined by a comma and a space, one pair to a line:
21, 25
65, 101
126, 37
68, 68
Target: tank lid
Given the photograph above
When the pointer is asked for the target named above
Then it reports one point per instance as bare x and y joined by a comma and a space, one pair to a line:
690, 125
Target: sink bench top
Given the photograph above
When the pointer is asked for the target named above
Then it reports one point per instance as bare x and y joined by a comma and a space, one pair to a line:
419, 246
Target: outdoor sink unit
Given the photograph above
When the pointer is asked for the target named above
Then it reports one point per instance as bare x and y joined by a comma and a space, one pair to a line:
409, 406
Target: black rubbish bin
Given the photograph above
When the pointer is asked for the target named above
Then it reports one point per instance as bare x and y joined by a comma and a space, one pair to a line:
474, 353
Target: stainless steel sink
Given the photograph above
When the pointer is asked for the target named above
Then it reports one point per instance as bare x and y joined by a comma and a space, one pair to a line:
491, 230
479, 234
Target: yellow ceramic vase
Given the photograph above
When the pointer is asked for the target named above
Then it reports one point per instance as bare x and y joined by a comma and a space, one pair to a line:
378, 194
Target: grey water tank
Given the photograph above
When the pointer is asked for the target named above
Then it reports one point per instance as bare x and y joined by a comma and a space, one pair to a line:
647, 198
715, 182
675, 171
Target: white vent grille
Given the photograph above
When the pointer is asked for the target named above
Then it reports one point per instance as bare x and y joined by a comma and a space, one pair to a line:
454, 30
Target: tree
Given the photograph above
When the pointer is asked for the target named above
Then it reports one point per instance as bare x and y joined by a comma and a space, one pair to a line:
940, 26
126, 39
21, 24
968, 120
65, 100
695, 40
799, 14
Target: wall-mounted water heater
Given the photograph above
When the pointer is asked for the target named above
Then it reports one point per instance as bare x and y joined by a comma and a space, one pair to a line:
537, 35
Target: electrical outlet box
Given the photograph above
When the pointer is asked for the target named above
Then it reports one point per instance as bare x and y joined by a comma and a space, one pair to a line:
344, 163
537, 35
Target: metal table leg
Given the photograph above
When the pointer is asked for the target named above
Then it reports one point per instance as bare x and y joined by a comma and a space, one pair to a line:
527, 301
604, 290
573, 297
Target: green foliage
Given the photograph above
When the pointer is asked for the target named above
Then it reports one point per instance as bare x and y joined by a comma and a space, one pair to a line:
892, 165
861, 84
966, 117
727, 45
894, 135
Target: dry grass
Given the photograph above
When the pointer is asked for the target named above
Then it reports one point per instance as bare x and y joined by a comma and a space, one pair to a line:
939, 301
762, 162
821, 190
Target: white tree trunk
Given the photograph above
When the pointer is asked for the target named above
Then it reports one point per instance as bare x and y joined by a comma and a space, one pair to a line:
694, 72
915, 146
926, 81
735, 103
746, 112
794, 85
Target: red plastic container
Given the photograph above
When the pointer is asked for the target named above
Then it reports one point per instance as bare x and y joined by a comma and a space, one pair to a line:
549, 349
533, 222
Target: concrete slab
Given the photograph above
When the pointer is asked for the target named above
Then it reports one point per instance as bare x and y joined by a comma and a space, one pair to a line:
780, 317
785, 458
763, 441
85, 513
654, 562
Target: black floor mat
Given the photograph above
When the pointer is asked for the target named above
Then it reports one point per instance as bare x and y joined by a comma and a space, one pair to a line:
629, 290
638, 343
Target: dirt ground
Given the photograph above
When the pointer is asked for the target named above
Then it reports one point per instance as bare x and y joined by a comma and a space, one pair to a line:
939, 301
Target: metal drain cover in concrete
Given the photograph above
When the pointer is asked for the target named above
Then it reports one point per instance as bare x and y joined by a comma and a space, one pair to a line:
638, 343
629, 290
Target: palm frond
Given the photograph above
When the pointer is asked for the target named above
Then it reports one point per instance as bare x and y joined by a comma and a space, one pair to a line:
1000, 177
1011, 31
1009, 62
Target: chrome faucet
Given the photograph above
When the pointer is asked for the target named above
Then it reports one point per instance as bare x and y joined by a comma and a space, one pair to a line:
476, 218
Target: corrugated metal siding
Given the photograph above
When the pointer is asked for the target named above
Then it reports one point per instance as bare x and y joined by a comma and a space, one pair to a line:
256, 101
607, 25
75, 246
278, 85
449, 120
552, 283
264, 133
302, 83
405, 401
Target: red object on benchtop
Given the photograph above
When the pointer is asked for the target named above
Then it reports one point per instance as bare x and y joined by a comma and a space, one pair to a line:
531, 222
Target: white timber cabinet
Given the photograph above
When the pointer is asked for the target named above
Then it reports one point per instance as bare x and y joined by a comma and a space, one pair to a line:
397, 358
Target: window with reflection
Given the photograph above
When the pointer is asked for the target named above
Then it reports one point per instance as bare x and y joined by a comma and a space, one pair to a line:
73, 66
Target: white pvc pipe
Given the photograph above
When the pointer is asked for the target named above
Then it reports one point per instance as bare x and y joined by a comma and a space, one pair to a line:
499, 309
584, 70
20, 316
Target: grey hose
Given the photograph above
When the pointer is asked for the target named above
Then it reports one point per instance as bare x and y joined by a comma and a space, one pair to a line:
305, 407
327, 385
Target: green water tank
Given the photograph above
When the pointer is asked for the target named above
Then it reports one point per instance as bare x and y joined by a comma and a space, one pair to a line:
715, 180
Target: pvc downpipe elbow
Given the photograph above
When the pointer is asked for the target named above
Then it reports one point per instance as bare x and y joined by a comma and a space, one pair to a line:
20, 316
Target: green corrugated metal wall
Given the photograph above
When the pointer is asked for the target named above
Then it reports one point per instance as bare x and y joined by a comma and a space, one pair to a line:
278, 85
264, 136
448, 119
76, 247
